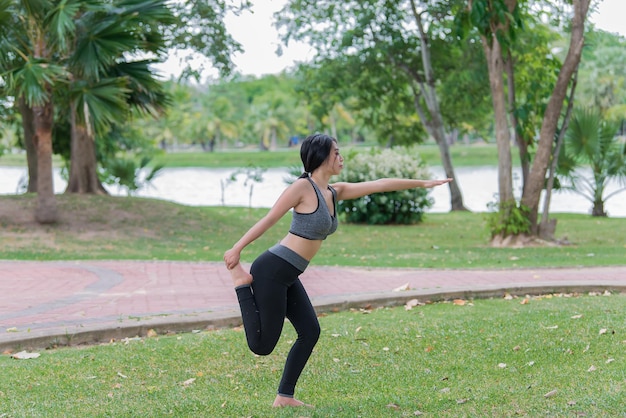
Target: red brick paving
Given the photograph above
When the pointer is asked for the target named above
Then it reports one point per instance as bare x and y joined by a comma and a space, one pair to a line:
88, 301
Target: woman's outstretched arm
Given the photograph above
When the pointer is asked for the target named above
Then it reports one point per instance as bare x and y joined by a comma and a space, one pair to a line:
347, 191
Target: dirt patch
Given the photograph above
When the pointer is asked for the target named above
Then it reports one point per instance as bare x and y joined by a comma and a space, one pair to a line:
82, 216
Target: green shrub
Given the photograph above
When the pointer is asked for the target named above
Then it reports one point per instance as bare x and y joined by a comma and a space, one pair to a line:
507, 219
401, 207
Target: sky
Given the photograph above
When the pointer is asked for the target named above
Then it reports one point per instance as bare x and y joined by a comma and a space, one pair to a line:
255, 32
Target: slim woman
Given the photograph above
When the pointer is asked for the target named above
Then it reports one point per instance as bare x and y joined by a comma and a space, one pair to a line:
272, 291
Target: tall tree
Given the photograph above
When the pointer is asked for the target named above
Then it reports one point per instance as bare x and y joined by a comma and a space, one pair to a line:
536, 179
32, 36
497, 24
386, 37
106, 81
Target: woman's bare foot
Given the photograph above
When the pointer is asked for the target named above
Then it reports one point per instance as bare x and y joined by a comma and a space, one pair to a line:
281, 401
240, 276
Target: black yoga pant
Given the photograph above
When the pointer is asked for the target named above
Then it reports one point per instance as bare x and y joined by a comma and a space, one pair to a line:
276, 292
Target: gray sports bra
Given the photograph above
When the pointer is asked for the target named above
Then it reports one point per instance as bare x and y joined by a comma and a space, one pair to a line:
319, 224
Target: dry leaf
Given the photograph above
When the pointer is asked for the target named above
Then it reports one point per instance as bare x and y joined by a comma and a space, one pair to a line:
189, 381
611, 360
122, 376
459, 302
410, 304
517, 348
602, 331
461, 401
592, 368
577, 316
357, 330
502, 365
552, 327
418, 413
525, 301
550, 394
151, 333
393, 406
445, 390
402, 288
25, 355
507, 296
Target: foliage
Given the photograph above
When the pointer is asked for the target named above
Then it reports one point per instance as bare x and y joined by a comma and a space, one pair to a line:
150, 229
474, 358
591, 141
129, 174
400, 207
506, 219
602, 72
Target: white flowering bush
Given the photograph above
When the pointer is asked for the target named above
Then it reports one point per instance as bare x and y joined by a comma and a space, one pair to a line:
400, 207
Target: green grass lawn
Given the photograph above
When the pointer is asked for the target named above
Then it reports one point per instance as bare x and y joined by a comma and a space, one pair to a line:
462, 155
556, 356
106, 227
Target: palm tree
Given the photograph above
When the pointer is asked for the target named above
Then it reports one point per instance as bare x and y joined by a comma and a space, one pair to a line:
32, 36
591, 142
106, 82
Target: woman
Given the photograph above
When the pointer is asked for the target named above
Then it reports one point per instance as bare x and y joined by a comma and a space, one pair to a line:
276, 291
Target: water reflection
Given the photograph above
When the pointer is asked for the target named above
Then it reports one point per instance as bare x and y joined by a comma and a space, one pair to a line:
210, 187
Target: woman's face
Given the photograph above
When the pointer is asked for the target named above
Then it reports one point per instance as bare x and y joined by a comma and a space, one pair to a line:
334, 162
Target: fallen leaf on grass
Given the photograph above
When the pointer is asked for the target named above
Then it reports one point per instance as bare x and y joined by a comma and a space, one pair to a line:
577, 316
25, 355
550, 394
189, 381
461, 401
459, 302
507, 296
122, 375
592, 368
502, 365
552, 327
525, 301
602, 331
151, 333
611, 360
411, 304
393, 406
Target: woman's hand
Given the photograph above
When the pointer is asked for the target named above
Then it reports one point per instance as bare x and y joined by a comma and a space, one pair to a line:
231, 258
434, 183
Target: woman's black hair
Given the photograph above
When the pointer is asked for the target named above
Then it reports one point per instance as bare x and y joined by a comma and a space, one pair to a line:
314, 150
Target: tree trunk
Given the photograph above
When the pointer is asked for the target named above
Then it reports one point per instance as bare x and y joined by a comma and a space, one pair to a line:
522, 145
434, 124
29, 144
495, 64
547, 226
536, 179
83, 176
46, 210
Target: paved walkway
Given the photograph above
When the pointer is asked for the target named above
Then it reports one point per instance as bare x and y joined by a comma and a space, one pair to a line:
47, 303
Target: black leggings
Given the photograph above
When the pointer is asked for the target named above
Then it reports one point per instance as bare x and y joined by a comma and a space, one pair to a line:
276, 292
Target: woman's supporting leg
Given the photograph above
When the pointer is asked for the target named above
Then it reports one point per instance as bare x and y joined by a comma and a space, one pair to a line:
302, 316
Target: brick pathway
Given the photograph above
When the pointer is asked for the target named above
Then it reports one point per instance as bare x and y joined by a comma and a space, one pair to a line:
46, 303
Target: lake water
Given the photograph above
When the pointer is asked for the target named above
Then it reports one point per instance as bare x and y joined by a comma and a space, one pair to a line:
210, 187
